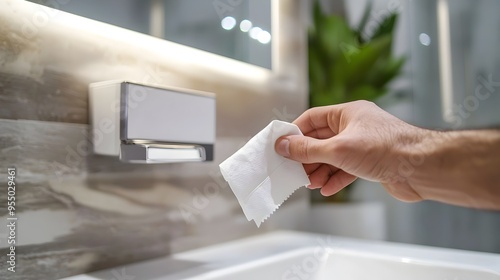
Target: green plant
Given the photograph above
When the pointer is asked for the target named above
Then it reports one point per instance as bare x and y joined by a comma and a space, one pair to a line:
345, 65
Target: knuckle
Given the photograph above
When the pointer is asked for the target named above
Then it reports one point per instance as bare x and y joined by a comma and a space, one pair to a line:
364, 105
366, 102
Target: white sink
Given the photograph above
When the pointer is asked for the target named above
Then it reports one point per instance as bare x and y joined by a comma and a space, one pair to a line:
302, 256
348, 265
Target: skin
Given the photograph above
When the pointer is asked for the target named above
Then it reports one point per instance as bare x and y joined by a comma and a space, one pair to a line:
358, 139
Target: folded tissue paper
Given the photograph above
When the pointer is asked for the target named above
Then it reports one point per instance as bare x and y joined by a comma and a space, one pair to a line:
260, 178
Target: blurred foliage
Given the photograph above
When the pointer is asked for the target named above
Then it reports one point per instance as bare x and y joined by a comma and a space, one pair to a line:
347, 64
344, 65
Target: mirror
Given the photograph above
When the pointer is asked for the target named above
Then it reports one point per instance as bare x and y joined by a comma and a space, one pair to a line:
238, 29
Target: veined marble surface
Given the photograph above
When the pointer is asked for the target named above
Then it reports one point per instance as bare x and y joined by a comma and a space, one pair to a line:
78, 212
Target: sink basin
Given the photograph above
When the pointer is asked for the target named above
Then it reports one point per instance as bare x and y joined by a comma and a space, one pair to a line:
308, 263
305, 256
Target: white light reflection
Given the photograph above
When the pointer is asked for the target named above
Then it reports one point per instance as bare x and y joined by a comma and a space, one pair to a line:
424, 39
228, 23
245, 25
254, 32
264, 37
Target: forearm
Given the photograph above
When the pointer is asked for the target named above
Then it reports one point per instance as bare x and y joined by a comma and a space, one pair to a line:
460, 167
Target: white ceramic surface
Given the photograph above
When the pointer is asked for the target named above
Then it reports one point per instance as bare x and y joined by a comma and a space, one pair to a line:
341, 264
300, 256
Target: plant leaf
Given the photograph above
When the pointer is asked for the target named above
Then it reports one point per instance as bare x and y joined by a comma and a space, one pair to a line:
365, 92
364, 61
385, 71
364, 21
386, 27
334, 34
318, 17
317, 72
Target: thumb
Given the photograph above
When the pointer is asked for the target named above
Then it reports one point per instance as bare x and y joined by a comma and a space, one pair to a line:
301, 148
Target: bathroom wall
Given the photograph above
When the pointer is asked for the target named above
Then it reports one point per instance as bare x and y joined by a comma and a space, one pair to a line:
472, 70
79, 212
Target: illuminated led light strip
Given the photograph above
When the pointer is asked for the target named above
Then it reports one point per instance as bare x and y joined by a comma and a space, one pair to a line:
445, 63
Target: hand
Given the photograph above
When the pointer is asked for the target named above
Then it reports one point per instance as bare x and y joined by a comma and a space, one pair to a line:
346, 141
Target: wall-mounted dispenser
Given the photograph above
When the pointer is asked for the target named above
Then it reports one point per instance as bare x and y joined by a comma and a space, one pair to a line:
151, 124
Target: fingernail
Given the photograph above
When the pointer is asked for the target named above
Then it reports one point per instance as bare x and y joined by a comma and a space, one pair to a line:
283, 147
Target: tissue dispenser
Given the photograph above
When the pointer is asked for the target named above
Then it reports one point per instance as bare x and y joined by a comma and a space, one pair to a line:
151, 124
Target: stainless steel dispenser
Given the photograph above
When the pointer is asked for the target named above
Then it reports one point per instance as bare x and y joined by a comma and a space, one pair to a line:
151, 124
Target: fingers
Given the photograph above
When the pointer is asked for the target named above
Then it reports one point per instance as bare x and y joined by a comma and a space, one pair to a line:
334, 117
320, 117
330, 179
337, 182
311, 167
321, 133
320, 176
303, 149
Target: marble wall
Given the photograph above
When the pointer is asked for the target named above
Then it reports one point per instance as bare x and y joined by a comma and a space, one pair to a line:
78, 212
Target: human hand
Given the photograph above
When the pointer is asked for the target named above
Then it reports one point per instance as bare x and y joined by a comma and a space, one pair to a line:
346, 141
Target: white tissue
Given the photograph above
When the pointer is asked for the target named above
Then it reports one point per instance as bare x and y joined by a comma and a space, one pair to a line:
260, 178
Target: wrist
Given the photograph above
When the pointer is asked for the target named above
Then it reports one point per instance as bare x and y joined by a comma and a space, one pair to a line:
415, 150
408, 154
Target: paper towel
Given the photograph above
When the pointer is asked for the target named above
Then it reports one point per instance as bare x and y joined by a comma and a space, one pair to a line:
260, 178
